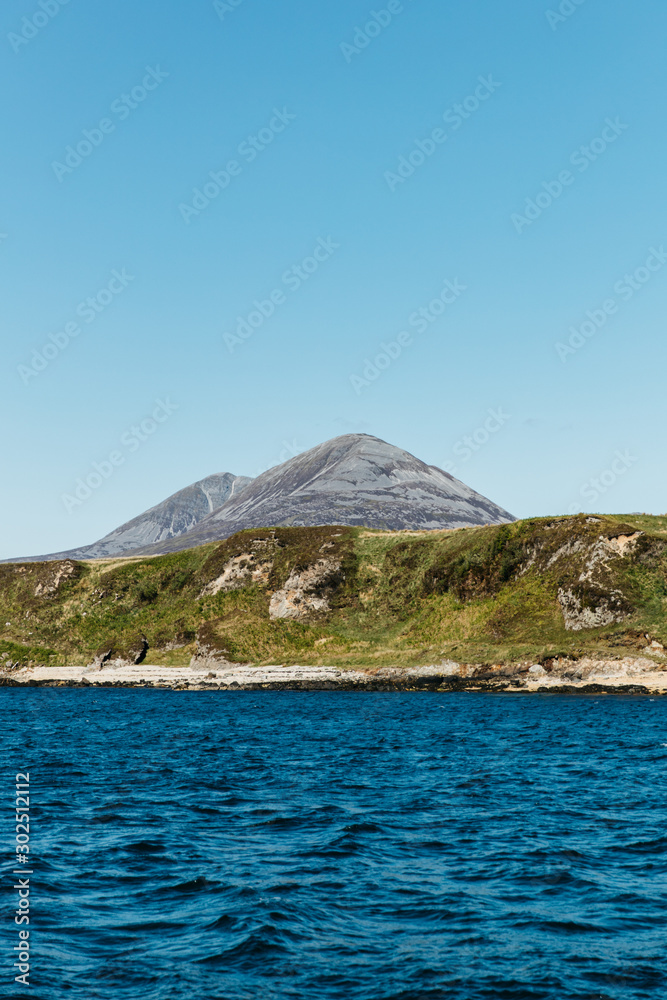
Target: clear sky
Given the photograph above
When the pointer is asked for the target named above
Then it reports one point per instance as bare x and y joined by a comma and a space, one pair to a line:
257, 196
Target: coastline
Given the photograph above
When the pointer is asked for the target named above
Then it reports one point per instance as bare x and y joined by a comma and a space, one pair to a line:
630, 675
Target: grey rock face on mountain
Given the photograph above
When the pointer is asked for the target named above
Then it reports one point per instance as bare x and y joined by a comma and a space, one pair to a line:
175, 516
354, 479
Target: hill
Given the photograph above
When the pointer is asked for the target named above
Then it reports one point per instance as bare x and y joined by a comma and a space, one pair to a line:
546, 589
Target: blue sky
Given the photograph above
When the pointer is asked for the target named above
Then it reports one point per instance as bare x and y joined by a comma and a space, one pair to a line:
540, 199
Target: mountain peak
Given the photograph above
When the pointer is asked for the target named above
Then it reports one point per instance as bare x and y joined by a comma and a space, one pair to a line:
354, 479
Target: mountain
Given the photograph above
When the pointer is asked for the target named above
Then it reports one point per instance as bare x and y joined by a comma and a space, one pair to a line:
175, 516
355, 479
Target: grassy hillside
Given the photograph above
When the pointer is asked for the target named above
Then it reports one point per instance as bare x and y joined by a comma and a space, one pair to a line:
492, 594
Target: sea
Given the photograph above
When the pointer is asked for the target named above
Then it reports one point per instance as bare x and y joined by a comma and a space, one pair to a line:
335, 845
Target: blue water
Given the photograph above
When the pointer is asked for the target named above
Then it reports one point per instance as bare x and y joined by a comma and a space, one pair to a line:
340, 845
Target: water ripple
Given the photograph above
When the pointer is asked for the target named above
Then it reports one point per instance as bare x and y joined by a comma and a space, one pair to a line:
328, 846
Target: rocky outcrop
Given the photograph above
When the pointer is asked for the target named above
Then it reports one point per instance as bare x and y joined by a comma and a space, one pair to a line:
7, 663
122, 655
592, 602
306, 591
243, 570
56, 575
591, 671
209, 658
576, 615
212, 647
604, 549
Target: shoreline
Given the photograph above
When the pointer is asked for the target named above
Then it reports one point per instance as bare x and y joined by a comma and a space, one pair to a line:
637, 675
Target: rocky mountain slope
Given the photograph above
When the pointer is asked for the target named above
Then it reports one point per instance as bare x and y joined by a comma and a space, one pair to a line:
544, 599
175, 516
355, 479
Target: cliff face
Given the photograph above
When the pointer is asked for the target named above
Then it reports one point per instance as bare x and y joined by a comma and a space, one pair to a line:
553, 592
354, 479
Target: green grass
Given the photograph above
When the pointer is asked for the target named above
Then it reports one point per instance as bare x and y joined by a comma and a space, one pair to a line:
483, 595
